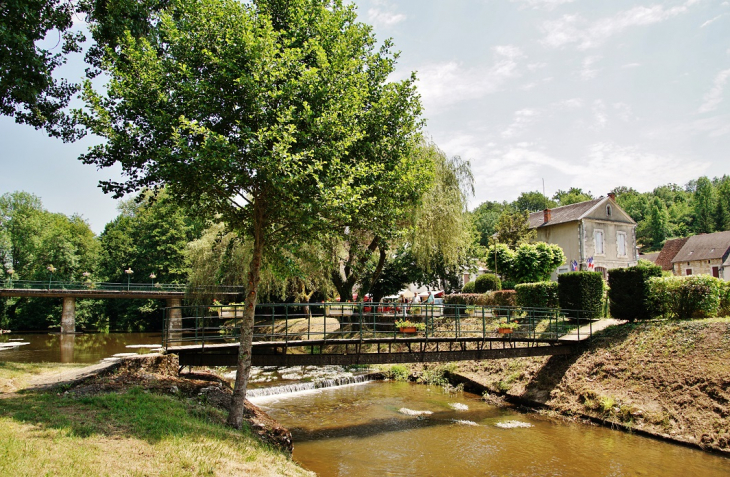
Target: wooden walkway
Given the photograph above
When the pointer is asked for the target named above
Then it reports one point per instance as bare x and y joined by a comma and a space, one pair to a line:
585, 332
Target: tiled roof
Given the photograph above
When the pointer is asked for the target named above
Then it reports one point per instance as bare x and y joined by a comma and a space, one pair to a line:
649, 256
560, 215
669, 251
704, 247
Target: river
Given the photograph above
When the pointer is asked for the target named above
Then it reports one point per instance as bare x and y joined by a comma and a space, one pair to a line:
77, 348
376, 429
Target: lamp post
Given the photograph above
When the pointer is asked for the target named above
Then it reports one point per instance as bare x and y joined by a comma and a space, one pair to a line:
51, 269
152, 277
129, 273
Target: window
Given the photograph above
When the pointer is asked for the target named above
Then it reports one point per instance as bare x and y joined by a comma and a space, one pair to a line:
621, 244
598, 238
562, 270
716, 272
608, 211
688, 271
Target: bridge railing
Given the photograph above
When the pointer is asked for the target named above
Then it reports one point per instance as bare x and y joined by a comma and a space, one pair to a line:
88, 285
289, 323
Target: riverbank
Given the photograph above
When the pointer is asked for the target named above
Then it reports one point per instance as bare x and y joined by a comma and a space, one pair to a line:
667, 379
138, 418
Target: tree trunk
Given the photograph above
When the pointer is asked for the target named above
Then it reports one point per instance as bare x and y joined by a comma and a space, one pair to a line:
243, 368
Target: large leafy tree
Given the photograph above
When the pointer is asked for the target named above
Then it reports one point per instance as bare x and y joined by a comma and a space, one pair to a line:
513, 228
275, 116
529, 262
704, 205
533, 201
573, 195
28, 90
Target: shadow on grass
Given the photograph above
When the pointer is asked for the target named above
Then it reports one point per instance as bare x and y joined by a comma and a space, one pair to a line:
134, 413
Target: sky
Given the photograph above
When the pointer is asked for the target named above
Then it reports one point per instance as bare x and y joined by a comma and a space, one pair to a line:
565, 93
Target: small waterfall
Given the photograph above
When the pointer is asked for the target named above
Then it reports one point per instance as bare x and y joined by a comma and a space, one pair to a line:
310, 385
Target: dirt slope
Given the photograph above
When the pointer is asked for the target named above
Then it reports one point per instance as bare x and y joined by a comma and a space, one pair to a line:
670, 379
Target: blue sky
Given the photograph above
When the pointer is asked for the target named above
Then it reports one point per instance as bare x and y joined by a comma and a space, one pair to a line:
576, 92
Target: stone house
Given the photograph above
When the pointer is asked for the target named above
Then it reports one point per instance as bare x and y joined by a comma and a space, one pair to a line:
670, 250
594, 235
706, 254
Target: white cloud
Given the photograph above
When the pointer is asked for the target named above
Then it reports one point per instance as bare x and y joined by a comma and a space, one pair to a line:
382, 14
599, 114
444, 84
712, 20
630, 65
623, 111
574, 29
587, 72
536, 66
572, 103
714, 97
544, 4
522, 119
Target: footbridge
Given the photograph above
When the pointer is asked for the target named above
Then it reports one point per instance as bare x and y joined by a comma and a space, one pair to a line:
372, 333
173, 294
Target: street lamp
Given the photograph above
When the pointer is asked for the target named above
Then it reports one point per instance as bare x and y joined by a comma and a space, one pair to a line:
51, 269
153, 276
129, 273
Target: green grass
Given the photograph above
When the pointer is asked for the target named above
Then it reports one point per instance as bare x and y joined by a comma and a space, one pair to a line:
131, 433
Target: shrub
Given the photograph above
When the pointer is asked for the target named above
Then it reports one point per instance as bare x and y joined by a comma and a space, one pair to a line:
508, 285
469, 288
487, 282
724, 299
581, 291
696, 296
537, 295
628, 291
466, 299
501, 298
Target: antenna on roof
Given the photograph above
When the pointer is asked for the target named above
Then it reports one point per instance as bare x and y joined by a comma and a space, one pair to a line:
543, 187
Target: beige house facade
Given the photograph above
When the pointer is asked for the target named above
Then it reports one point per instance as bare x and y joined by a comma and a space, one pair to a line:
705, 254
594, 235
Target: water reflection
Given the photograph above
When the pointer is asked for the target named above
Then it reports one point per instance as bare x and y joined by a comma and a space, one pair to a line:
67, 348
369, 429
79, 348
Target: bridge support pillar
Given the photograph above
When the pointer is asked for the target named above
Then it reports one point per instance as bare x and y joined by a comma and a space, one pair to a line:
68, 316
174, 320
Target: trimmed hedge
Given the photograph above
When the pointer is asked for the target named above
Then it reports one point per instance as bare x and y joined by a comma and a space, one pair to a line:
469, 287
537, 295
487, 282
502, 298
628, 291
508, 285
695, 296
466, 299
724, 299
581, 291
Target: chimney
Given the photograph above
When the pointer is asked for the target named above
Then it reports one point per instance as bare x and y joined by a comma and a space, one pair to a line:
546, 215
612, 196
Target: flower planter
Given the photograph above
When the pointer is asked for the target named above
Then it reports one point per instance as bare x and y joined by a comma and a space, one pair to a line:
504, 331
408, 329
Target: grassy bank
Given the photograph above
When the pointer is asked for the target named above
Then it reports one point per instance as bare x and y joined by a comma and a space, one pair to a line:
130, 431
671, 379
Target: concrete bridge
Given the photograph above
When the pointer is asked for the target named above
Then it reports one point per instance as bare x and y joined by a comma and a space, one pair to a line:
366, 333
173, 294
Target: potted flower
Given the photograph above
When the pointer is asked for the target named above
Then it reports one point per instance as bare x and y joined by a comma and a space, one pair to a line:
407, 326
504, 327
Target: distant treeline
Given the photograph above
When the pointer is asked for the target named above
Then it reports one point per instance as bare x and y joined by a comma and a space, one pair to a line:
700, 206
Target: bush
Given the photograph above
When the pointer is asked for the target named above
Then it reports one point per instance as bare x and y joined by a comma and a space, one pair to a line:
696, 296
581, 291
487, 282
501, 298
469, 287
508, 285
628, 291
537, 295
724, 299
479, 299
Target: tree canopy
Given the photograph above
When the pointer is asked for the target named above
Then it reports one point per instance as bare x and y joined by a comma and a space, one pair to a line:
277, 117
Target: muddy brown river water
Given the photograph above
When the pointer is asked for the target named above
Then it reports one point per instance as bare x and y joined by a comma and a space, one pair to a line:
404, 429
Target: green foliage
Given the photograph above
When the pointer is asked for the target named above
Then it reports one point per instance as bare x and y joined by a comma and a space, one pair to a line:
628, 291
469, 287
533, 202
508, 284
573, 195
419, 326
513, 228
704, 206
485, 218
696, 296
724, 291
486, 282
581, 291
501, 298
537, 295
469, 299
397, 372
530, 262
28, 90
